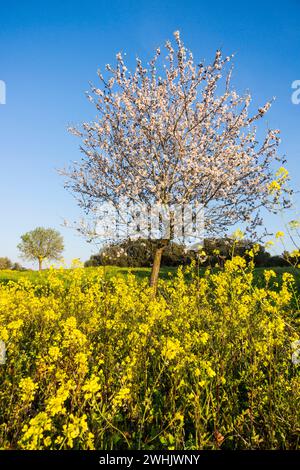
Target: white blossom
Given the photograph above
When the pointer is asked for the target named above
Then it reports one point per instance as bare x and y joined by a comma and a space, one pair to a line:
174, 137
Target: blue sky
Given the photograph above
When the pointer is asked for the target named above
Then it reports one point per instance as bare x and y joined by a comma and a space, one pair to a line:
50, 50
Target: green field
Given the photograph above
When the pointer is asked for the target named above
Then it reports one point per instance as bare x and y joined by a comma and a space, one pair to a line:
93, 360
110, 271
166, 272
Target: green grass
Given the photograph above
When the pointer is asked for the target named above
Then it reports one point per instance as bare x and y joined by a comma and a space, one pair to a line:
258, 274
8, 275
37, 277
166, 272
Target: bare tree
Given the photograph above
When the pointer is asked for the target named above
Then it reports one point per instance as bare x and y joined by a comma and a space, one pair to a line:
175, 132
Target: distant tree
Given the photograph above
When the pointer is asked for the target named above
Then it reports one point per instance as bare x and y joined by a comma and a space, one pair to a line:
41, 244
17, 267
277, 261
139, 253
218, 249
262, 257
5, 263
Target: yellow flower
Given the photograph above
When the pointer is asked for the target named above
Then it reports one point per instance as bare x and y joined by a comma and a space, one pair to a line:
54, 353
55, 404
274, 187
171, 348
294, 224
268, 274
282, 172
28, 389
88, 351
47, 441
238, 235
34, 432
91, 387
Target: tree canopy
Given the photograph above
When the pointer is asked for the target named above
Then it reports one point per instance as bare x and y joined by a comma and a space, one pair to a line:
41, 244
176, 132
5, 263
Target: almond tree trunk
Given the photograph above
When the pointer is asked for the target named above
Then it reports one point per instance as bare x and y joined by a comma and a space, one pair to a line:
156, 265
40, 264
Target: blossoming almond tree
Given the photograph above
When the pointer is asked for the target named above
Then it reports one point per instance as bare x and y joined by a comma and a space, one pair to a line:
175, 132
